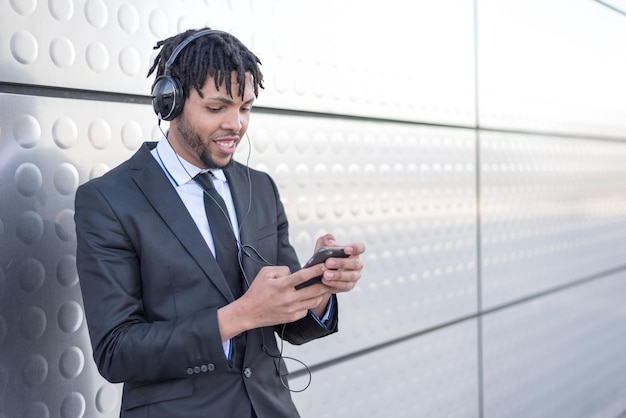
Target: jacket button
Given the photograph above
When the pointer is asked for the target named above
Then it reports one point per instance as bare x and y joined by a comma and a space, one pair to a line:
247, 372
196, 369
204, 368
210, 366
189, 370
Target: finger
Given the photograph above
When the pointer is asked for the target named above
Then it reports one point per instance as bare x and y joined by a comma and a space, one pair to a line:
341, 281
354, 248
312, 295
326, 240
350, 263
306, 274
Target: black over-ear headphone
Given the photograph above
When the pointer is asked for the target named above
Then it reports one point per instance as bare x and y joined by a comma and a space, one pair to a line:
167, 93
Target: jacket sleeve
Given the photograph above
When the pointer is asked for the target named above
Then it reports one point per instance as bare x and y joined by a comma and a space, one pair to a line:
127, 345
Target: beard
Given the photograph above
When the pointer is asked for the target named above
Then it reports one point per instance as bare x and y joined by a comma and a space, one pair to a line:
194, 143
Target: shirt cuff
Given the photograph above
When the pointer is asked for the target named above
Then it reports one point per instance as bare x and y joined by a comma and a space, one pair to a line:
327, 315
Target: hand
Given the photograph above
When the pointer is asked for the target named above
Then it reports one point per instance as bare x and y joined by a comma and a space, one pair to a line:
341, 274
272, 299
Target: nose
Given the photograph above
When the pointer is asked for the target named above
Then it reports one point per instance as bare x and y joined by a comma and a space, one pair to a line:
232, 120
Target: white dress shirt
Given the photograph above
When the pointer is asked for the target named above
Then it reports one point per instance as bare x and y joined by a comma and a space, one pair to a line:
181, 174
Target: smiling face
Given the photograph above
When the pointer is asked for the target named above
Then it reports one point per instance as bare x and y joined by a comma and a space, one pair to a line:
210, 127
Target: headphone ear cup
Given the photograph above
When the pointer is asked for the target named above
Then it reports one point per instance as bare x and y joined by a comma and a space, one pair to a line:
167, 97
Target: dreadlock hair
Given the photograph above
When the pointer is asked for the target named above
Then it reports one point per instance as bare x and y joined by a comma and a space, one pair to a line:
217, 55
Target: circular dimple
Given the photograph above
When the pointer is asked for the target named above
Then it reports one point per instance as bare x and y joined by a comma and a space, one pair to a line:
282, 141
339, 206
338, 175
64, 132
303, 208
61, 10
27, 131
24, 7
128, 18
129, 60
302, 141
67, 275
29, 228
302, 175
282, 82
97, 57
320, 173
99, 134
35, 371
282, 175
32, 323
28, 179
24, 47
37, 410
32, 275
62, 52
356, 203
96, 13
261, 141
73, 406
106, 398
132, 135
70, 317
321, 207
71, 362
64, 225
158, 23
355, 175
98, 170
320, 142
66, 179
370, 174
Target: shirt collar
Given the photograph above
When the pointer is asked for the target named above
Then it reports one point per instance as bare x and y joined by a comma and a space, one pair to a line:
180, 170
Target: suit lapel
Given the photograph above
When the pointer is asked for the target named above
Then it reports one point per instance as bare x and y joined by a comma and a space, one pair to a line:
154, 184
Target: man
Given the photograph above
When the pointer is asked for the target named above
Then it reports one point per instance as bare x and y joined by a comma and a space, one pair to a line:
192, 334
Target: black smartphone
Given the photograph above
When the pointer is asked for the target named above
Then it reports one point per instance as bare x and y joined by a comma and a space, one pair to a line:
319, 257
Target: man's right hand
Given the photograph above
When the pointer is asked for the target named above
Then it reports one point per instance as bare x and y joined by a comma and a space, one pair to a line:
272, 299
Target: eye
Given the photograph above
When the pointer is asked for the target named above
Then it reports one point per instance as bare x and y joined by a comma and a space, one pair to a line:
213, 109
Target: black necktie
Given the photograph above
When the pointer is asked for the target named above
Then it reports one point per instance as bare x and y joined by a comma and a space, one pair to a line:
226, 252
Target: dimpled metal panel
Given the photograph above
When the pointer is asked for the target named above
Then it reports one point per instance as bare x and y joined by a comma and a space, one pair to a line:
553, 210
407, 191
426, 267
551, 207
540, 70
313, 57
561, 355
47, 148
432, 376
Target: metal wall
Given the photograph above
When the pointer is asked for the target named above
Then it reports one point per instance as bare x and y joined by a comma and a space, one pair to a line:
478, 148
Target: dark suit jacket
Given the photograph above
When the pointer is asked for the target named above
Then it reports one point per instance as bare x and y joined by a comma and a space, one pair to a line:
151, 290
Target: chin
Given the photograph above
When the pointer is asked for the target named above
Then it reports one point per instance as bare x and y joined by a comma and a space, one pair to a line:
211, 163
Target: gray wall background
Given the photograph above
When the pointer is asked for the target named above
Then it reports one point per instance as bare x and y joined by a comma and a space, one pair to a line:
478, 147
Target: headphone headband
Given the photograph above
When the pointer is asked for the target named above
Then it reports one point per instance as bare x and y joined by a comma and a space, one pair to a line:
168, 96
184, 44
